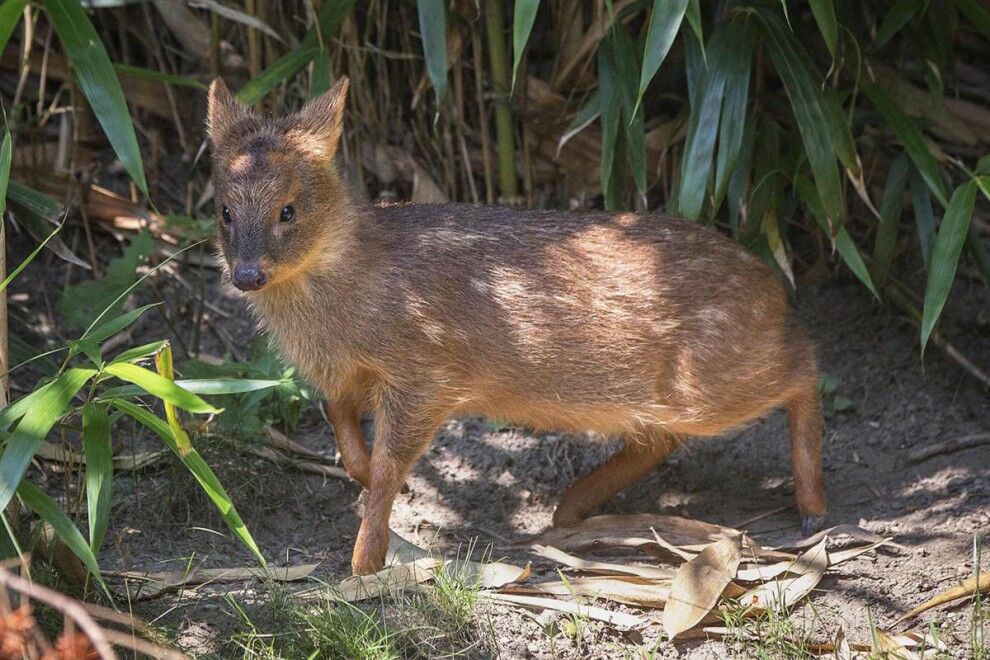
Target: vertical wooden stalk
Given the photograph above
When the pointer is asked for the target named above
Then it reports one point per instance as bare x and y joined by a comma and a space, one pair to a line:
484, 128
254, 40
508, 189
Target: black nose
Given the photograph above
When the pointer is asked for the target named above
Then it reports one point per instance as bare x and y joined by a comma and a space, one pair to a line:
248, 277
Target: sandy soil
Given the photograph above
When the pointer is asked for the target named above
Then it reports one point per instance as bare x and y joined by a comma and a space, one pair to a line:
503, 483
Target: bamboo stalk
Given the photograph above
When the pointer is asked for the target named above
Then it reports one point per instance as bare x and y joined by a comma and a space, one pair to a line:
505, 140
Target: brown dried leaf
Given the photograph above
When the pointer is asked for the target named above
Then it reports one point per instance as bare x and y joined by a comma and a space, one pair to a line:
698, 584
391, 578
967, 588
635, 531
588, 611
605, 568
636, 591
158, 583
780, 594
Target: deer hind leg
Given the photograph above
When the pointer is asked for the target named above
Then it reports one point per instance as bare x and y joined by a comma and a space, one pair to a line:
345, 416
804, 416
638, 457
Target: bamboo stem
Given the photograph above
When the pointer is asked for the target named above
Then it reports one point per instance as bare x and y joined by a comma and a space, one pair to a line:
505, 140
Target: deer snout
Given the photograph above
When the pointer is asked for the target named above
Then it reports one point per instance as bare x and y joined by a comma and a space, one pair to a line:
249, 277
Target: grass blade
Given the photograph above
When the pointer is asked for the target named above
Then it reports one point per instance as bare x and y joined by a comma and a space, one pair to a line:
433, 28
49, 511
198, 467
281, 70
41, 410
156, 385
95, 75
665, 22
157, 76
912, 139
945, 257
99, 471
802, 86
523, 17
824, 12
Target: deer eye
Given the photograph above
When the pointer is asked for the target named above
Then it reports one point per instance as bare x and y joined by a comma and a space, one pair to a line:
287, 214
226, 215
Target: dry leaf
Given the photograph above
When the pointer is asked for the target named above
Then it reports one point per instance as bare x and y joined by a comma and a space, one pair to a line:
602, 567
969, 587
122, 462
392, 578
637, 591
634, 531
401, 551
890, 647
851, 553
157, 583
286, 444
852, 531
780, 594
699, 583
588, 611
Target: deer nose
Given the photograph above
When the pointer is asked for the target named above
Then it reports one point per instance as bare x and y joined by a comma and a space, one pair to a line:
249, 277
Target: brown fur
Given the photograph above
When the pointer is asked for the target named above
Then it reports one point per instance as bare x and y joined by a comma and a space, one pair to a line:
642, 326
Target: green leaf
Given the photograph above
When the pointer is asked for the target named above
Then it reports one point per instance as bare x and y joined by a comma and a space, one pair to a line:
200, 471
590, 112
912, 139
611, 118
281, 70
844, 243
321, 78
803, 89
632, 115
156, 385
433, 28
900, 14
977, 14
99, 471
523, 17
10, 16
41, 410
109, 328
665, 21
6, 152
86, 302
732, 124
98, 81
924, 215
891, 207
693, 15
945, 257
206, 386
37, 211
47, 510
824, 12
157, 76
140, 352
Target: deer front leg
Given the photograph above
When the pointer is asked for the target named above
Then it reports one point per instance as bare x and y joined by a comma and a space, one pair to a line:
403, 431
345, 416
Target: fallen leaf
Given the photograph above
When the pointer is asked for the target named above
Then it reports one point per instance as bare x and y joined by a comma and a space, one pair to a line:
122, 462
891, 648
398, 577
570, 607
634, 531
155, 584
698, 584
968, 587
602, 567
637, 591
781, 593
852, 531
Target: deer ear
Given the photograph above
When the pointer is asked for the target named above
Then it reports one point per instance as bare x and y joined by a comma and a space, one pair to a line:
323, 118
224, 111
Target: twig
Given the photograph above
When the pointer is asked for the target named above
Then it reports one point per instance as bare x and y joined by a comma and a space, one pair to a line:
949, 447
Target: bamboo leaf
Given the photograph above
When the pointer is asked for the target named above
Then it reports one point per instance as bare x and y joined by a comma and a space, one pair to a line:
99, 471
41, 410
433, 28
98, 81
802, 87
909, 134
632, 115
693, 15
10, 16
202, 472
945, 257
924, 214
900, 14
156, 385
109, 328
891, 207
732, 124
6, 152
282, 69
139, 353
824, 12
611, 117
977, 14
157, 76
665, 22
523, 17
49, 511
591, 111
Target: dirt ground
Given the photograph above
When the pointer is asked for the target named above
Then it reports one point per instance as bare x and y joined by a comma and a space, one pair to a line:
498, 484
